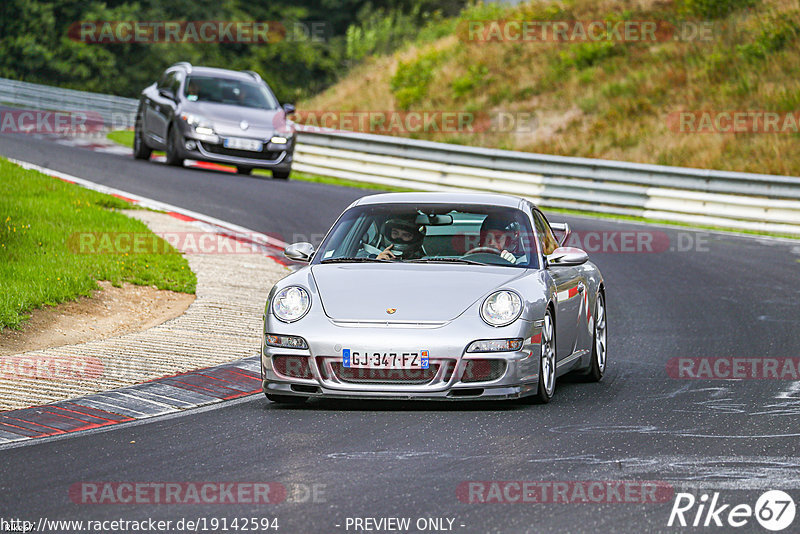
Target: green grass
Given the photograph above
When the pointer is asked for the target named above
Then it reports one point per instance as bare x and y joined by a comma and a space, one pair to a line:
40, 222
122, 137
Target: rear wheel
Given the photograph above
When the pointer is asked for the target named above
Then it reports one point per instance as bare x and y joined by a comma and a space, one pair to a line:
244, 170
286, 399
599, 345
281, 175
140, 149
173, 146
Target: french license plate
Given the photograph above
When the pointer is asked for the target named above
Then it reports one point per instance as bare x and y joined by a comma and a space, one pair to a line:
365, 359
239, 143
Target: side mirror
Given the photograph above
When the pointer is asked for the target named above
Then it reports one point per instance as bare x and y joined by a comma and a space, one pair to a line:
289, 108
166, 93
299, 251
563, 256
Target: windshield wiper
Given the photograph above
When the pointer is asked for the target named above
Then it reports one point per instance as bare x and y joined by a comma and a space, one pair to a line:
354, 260
446, 260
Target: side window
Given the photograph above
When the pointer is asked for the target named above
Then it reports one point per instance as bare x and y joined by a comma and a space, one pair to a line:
545, 233
164, 81
175, 83
170, 81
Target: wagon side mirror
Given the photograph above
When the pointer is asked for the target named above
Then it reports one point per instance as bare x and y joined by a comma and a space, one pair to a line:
564, 256
299, 251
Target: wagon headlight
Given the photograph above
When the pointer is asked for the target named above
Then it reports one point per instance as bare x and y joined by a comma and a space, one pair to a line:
291, 304
501, 308
200, 124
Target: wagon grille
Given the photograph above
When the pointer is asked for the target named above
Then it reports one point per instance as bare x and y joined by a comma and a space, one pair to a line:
249, 154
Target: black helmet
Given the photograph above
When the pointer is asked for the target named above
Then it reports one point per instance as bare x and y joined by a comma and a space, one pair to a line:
407, 223
495, 221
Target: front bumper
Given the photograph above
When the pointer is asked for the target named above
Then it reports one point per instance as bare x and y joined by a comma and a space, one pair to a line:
210, 148
453, 373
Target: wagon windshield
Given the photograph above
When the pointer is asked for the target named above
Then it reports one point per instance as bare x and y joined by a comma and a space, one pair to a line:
431, 233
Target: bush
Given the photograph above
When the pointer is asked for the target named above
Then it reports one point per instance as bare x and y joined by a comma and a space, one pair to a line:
713, 9
410, 83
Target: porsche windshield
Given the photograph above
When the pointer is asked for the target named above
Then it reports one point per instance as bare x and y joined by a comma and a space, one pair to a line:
431, 233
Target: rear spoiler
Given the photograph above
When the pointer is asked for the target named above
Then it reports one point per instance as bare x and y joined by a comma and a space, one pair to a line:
561, 228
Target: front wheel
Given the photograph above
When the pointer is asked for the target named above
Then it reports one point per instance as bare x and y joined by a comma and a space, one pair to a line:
286, 399
547, 363
281, 175
599, 345
173, 147
140, 149
244, 170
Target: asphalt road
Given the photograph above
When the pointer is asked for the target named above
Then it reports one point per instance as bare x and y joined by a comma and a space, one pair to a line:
723, 296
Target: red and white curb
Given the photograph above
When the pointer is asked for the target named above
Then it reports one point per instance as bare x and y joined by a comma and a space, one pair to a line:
161, 396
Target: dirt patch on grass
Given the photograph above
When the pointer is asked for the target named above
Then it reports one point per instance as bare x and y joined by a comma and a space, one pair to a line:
112, 311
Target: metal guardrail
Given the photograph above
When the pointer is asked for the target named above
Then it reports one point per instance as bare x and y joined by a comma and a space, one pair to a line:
731, 199
116, 112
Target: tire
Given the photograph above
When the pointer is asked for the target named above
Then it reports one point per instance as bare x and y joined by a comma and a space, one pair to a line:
173, 157
547, 363
281, 175
140, 149
286, 399
599, 342
244, 170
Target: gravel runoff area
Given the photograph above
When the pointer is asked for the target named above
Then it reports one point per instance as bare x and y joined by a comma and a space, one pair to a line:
223, 324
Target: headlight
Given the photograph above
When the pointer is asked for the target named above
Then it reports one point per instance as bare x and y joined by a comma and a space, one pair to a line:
291, 304
496, 345
200, 124
279, 140
285, 342
501, 308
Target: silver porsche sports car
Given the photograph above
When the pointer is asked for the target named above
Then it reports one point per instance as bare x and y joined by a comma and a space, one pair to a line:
434, 296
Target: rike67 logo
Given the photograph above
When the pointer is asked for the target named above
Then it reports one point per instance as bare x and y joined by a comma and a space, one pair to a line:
774, 510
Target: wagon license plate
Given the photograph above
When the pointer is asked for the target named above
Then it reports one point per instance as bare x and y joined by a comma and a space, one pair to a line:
365, 359
239, 143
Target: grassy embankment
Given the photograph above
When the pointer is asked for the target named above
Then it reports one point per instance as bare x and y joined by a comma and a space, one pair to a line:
40, 263
605, 99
